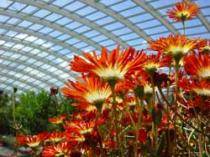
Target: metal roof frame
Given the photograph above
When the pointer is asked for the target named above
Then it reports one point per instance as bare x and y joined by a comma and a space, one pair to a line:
156, 14
72, 15
62, 42
25, 73
40, 59
118, 17
33, 67
42, 21
39, 35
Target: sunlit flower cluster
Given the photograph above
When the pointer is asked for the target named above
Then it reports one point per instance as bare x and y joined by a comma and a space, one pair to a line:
131, 103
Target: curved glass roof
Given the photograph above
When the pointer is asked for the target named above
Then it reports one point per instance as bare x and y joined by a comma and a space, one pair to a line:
38, 38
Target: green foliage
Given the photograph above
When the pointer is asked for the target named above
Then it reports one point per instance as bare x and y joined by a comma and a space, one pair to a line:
31, 111
5, 113
34, 109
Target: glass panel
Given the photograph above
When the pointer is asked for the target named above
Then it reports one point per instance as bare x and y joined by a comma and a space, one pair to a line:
17, 6
124, 5
74, 6
42, 13
61, 3
85, 11
4, 3
29, 9
132, 11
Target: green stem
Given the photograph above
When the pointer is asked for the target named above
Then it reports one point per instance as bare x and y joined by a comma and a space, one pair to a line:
168, 85
154, 126
183, 23
56, 105
13, 108
176, 81
200, 137
138, 125
115, 121
100, 135
200, 145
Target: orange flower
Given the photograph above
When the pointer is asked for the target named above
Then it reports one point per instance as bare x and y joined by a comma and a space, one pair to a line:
174, 45
201, 88
56, 137
61, 149
90, 90
32, 141
75, 137
183, 11
204, 46
80, 127
154, 62
109, 144
57, 120
21, 139
198, 65
110, 67
84, 107
142, 135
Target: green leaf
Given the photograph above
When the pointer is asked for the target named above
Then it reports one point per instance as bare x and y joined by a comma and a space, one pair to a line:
156, 116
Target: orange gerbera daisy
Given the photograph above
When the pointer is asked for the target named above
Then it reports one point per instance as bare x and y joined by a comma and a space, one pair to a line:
174, 45
90, 90
31, 140
81, 127
198, 65
154, 62
57, 120
201, 88
75, 137
61, 149
204, 46
183, 11
56, 137
113, 66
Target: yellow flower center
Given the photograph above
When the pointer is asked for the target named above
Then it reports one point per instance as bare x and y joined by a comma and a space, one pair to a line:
115, 73
204, 72
151, 67
80, 139
202, 91
60, 154
206, 48
98, 95
183, 15
147, 89
56, 139
91, 108
85, 131
57, 121
175, 50
34, 144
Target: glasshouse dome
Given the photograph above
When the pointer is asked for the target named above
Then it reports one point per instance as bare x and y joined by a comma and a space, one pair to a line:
104, 78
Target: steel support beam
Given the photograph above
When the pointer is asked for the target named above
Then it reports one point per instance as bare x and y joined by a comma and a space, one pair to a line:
39, 35
22, 54
31, 84
21, 89
155, 14
54, 26
38, 68
71, 15
29, 55
19, 71
34, 46
118, 17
